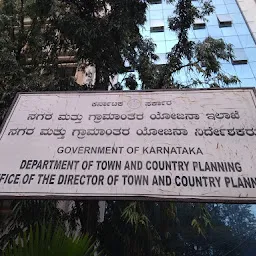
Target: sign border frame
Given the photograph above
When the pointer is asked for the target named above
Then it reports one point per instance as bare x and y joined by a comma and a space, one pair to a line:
126, 198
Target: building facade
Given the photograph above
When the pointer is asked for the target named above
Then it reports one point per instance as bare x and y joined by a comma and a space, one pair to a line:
233, 20
248, 8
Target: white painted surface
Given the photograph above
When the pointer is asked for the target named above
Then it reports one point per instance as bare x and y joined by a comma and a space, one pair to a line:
248, 7
188, 152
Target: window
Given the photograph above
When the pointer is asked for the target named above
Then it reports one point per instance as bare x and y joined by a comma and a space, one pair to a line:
218, 2
171, 43
168, 13
234, 40
157, 26
157, 36
224, 20
199, 24
155, 1
253, 68
250, 53
239, 57
221, 9
233, 8
229, 69
196, 3
201, 33
212, 20
156, 15
162, 59
248, 82
244, 71
170, 35
237, 18
215, 31
242, 29
229, 31
160, 47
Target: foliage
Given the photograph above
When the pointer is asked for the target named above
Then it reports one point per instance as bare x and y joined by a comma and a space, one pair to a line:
29, 54
48, 240
234, 229
134, 215
27, 212
196, 61
164, 228
106, 34
150, 228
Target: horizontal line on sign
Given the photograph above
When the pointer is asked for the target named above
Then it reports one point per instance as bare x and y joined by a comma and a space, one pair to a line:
121, 195
143, 91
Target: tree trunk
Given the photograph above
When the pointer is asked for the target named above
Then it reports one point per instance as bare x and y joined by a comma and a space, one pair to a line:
102, 80
89, 216
21, 32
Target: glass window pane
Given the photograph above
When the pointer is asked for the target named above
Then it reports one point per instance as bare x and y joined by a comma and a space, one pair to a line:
221, 9
191, 34
199, 21
199, 24
170, 44
237, 18
155, 7
253, 67
157, 36
167, 6
230, 1
242, 29
156, 25
223, 61
212, 20
168, 13
201, 33
145, 33
156, 15
234, 40
244, 71
160, 47
224, 20
233, 8
196, 3
251, 54
229, 31
247, 41
248, 82
170, 35
240, 56
162, 59
229, 69
215, 2
214, 31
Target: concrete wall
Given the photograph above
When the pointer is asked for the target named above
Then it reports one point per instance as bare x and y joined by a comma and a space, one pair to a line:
248, 8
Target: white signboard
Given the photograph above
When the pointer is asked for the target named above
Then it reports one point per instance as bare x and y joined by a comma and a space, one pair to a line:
183, 145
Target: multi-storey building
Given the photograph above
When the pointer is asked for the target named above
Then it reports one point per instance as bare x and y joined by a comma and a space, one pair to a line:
248, 8
233, 20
